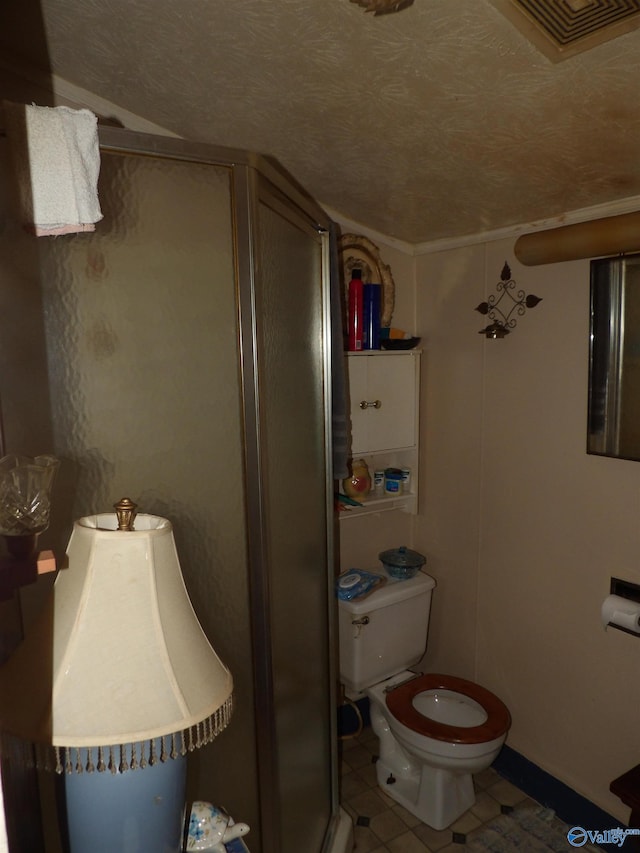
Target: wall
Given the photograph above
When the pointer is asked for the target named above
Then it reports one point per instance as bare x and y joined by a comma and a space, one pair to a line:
449, 287
522, 528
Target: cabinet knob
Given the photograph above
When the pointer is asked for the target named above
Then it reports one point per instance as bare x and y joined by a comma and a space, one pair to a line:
371, 404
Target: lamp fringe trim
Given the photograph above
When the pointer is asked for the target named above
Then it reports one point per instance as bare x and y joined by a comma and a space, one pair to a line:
119, 758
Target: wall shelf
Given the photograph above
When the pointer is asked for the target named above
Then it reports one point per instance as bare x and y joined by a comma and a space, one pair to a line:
385, 430
406, 503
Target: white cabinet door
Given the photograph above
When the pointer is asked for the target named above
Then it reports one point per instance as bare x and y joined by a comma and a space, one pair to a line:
383, 401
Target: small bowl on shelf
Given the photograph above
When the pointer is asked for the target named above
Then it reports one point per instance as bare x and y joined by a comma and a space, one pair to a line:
399, 343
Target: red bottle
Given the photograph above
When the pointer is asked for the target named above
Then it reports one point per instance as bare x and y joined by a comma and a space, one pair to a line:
356, 309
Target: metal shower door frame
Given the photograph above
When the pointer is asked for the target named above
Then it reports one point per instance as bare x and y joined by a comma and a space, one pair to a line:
256, 179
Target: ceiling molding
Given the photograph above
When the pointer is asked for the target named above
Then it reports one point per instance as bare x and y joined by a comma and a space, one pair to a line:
72, 95
599, 211
43, 83
350, 226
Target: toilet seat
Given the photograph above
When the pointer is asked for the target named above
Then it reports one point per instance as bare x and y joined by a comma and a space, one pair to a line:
399, 701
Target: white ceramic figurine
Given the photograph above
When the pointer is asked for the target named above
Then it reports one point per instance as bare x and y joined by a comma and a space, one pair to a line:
210, 828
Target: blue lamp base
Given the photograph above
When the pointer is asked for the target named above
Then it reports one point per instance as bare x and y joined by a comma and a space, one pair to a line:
137, 811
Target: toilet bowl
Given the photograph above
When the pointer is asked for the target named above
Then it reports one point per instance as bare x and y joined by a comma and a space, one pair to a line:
448, 716
435, 731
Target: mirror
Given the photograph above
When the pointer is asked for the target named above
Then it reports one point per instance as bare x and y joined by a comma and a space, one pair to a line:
614, 358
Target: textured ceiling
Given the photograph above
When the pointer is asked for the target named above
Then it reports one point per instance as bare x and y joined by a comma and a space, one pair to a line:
439, 121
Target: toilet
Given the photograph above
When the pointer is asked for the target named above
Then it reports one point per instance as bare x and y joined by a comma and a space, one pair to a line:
435, 731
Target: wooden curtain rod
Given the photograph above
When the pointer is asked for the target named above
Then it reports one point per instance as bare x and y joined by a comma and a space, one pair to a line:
613, 235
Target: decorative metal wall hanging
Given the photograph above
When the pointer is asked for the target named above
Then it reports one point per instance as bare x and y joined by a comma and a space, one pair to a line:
502, 314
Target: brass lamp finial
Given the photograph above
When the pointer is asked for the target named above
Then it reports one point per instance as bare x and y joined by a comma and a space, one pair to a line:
126, 512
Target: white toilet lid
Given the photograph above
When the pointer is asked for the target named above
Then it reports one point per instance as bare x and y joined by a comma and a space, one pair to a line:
449, 707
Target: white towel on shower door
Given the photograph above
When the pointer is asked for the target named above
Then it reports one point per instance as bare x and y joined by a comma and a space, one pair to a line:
56, 158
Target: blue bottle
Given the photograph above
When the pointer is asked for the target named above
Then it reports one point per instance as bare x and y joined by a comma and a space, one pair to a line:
371, 316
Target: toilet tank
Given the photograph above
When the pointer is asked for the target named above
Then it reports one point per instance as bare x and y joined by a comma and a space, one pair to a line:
385, 632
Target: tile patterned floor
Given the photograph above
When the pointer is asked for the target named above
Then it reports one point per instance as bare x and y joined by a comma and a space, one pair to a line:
383, 826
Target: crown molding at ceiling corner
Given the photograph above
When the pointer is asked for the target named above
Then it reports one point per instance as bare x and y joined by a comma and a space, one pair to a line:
429, 247
74, 95
598, 211
350, 226
68, 94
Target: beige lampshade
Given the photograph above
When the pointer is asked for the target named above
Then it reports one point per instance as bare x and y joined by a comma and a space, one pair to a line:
118, 656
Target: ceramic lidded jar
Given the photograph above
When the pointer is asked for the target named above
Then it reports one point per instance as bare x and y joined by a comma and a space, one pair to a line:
358, 485
402, 562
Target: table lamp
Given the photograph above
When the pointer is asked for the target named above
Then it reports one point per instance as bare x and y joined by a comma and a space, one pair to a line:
115, 684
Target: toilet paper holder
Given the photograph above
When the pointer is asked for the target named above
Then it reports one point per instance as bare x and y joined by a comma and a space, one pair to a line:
621, 609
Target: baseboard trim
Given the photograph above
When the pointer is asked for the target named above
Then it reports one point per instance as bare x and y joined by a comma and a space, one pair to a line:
541, 786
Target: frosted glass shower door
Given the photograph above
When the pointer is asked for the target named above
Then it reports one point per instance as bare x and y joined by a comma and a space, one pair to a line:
187, 369
142, 337
289, 318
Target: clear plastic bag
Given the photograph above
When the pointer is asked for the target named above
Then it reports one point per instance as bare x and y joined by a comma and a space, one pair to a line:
356, 583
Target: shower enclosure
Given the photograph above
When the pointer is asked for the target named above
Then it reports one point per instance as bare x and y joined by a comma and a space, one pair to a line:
188, 368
